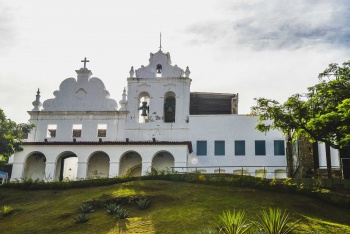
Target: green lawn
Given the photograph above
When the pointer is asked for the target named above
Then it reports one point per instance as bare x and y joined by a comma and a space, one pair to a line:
176, 207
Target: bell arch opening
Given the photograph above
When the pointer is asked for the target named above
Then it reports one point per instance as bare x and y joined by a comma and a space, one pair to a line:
143, 107
169, 107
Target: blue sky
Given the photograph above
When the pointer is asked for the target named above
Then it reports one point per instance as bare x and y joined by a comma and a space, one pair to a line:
260, 48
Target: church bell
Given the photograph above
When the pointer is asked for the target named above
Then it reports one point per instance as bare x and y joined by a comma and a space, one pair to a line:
144, 109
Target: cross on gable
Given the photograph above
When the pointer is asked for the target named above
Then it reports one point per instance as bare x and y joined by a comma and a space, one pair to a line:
85, 61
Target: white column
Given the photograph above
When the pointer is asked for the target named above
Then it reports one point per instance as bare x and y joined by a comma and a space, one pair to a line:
146, 168
50, 170
82, 169
17, 171
113, 169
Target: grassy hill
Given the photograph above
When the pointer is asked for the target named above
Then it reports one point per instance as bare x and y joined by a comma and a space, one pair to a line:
176, 207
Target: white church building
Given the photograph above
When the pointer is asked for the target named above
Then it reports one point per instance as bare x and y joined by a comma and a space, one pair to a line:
159, 124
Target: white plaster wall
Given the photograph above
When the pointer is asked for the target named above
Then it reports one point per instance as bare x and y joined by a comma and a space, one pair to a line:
230, 128
323, 159
157, 88
83, 152
64, 120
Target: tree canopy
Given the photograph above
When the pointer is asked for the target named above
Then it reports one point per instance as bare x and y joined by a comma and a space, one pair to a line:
322, 114
11, 135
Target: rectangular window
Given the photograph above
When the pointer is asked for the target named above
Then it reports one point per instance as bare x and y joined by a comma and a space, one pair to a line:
278, 147
77, 130
219, 148
102, 130
51, 131
260, 148
201, 148
239, 148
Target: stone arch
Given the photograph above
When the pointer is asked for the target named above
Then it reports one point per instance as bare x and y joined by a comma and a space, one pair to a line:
130, 163
98, 165
163, 160
66, 166
143, 107
35, 165
169, 107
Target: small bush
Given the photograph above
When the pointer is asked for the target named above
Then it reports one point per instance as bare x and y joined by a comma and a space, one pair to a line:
112, 208
275, 222
122, 213
233, 223
87, 208
6, 210
81, 218
143, 203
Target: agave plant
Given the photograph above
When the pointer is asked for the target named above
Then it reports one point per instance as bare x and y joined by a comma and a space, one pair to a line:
87, 208
112, 208
6, 210
143, 203
275, 221
122, 213
81, 218
233, 223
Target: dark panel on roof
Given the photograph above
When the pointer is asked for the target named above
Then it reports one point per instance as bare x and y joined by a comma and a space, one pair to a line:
212, 103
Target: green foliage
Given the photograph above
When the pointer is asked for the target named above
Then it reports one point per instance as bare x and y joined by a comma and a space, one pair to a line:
11, 136
275, 221
143, 203
122, 213
6, 210
233, 223
206, 231
82, 218
322, 114
112, 208
87, 208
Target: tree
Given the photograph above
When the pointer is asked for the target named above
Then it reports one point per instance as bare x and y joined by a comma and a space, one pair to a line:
322, 114
11, 136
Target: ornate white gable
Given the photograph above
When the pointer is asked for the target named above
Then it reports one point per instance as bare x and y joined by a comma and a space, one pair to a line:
83, 94
167, 70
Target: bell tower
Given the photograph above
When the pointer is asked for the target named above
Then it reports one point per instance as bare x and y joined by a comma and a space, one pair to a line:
159, 93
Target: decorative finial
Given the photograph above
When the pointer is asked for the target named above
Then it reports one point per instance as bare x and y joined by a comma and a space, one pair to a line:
123, 102
160, 42
187, 72
85, 61
132, 72
37, 104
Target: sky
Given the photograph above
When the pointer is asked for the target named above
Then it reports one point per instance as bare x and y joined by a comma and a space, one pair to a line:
256, 48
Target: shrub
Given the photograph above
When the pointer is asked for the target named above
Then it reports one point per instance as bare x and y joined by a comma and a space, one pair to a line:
112, 208
122, 213
6, 210
233, 223
81, 218
87, 208
143, 203
275, 222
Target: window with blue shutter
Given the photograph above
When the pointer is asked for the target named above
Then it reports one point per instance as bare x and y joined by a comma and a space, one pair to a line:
260, 148
201, 148
219, 148
239, 148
